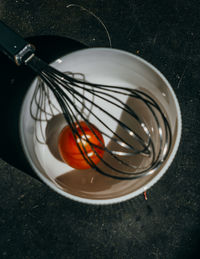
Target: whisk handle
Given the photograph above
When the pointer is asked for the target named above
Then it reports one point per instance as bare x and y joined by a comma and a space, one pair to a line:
14, 46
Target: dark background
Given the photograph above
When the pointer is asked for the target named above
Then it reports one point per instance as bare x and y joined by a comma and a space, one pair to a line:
35, 222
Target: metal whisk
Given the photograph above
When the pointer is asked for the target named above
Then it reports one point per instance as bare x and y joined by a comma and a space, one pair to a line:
135, 129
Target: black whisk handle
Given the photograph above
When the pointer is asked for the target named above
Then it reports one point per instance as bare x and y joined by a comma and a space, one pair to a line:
14, 46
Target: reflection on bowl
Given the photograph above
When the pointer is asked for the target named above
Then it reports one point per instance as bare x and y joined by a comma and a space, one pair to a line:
106, 66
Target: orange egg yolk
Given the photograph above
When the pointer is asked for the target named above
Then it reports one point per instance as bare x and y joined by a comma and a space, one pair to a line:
69, 146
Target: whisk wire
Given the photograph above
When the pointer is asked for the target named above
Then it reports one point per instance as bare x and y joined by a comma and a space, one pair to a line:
63, 85
126, 109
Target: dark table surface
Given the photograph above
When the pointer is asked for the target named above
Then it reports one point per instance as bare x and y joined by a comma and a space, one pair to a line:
35, 222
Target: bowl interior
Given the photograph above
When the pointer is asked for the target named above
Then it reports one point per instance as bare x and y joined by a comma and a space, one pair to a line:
106, 66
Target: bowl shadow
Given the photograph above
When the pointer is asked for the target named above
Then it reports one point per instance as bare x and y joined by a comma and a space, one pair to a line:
15, 82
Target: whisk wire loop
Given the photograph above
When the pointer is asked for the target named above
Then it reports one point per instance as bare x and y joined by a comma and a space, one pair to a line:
76, 97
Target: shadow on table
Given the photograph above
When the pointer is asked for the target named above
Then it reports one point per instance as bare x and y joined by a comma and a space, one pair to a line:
14, 84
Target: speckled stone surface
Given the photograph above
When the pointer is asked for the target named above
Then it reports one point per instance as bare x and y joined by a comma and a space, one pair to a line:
35, 222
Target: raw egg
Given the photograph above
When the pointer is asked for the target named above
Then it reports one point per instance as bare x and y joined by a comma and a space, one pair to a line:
89, 143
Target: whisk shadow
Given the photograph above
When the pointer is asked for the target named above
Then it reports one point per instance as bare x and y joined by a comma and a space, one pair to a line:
91, 184
53, 129
133, 160
14, 85
140, 161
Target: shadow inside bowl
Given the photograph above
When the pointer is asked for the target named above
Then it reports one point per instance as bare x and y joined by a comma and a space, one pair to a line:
93, 185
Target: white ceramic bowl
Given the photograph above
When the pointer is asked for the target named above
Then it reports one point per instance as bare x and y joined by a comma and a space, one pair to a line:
106, 66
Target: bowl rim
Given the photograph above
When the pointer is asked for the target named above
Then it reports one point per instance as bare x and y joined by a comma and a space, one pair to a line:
139, 191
